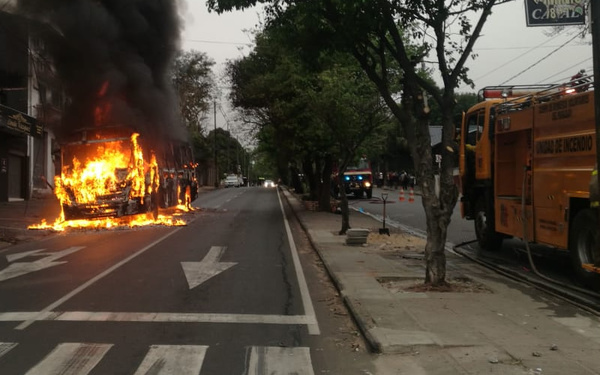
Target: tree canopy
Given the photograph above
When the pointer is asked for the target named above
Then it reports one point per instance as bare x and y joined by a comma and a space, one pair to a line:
393, 41
195, 85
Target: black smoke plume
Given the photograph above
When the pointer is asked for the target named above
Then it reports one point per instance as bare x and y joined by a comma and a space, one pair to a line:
113, 58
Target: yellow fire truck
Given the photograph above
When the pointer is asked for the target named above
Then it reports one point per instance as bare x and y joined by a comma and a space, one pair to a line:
527, 156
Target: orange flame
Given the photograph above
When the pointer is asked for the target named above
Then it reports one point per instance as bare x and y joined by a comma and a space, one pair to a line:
117, 171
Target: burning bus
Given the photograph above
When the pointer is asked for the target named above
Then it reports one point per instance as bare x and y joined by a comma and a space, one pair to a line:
114, 172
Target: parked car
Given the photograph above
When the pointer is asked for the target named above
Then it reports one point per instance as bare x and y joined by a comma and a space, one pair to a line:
232, 181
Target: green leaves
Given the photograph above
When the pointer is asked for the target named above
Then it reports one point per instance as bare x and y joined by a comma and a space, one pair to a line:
194, 84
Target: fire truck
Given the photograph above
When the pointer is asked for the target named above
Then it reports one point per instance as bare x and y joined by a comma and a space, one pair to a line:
113, 172
527, 157
357, 180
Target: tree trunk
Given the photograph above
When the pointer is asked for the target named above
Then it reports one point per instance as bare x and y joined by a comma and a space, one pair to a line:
437, 225
310, 177
438, 209
296, 183
343, 200
325, 185
345, 211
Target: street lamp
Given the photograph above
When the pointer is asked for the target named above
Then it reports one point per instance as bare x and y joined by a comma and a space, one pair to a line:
384, 230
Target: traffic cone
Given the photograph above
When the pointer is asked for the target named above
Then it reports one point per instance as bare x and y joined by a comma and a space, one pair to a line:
411, 195
401, 197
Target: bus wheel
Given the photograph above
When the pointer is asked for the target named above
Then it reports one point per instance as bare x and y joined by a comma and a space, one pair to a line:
487, 237
583, 240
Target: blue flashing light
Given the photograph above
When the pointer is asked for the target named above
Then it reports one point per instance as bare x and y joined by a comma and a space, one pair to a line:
360, 178
347, 178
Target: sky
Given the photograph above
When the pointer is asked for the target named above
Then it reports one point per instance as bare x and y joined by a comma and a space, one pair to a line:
512, 53
509, 52
222, 37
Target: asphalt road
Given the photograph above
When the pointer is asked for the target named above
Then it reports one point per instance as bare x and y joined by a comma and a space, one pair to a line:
236, 291
411, 216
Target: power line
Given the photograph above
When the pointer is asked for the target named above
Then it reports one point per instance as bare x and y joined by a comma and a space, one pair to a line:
542, 59
516, 58
566, 69
217, 42
526, 47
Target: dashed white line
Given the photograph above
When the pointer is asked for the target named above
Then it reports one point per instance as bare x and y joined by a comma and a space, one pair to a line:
156, 317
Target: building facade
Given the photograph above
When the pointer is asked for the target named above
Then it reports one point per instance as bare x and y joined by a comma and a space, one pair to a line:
30, 103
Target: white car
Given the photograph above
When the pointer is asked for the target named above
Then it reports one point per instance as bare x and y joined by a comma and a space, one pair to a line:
269, 183
232, 181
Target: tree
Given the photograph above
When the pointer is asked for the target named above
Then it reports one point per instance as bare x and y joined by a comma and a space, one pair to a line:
193, 81
351, 108
464, 101
271, 88
232, 158
194, 84
315, 110
381, 33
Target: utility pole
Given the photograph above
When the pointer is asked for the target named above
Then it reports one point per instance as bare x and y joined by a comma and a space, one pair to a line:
215, 145
595, 20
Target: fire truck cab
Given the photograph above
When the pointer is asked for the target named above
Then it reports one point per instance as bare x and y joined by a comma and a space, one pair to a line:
357, 180
527, 154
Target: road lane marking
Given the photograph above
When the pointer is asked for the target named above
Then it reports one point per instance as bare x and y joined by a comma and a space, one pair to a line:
13, 257
5, 347
198, 272
153, 317
279, 361
93, 280
173, 359
309, 310
23, 268
71, 359
82, 358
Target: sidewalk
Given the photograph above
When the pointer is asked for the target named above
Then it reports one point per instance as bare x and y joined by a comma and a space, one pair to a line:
493, 325
15, 217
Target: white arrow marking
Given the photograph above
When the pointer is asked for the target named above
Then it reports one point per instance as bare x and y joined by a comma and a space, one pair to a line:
22, 268
198, 272
12, 257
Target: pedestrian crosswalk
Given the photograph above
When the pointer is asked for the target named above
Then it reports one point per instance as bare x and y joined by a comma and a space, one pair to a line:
80, 359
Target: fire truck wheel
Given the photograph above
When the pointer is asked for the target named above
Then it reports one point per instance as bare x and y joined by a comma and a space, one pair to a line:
369, 194
583, 241
488, 238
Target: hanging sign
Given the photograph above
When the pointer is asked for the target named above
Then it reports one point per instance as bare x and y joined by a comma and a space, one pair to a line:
19, 122
555, 12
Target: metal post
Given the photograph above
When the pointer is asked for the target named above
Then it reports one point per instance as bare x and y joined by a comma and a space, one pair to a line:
384, 230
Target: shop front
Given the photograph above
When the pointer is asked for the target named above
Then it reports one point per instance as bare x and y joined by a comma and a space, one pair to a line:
17, 130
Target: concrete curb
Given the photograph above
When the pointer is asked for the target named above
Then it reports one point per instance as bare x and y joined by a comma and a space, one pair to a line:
362, 318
